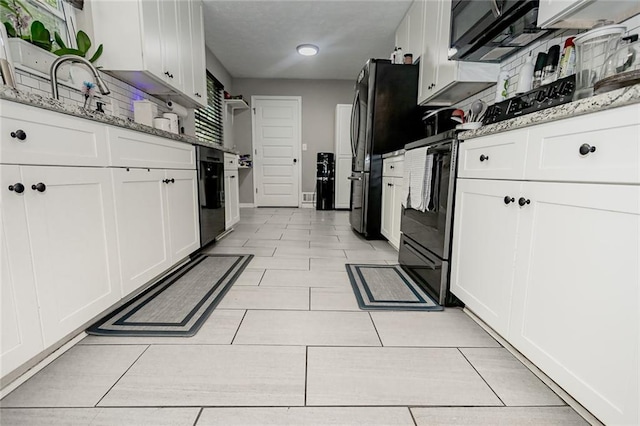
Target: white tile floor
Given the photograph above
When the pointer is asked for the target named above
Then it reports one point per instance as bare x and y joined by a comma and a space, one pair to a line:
289, 346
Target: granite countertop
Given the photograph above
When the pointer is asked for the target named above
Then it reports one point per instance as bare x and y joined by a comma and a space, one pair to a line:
51, 104
614, 99
393, 154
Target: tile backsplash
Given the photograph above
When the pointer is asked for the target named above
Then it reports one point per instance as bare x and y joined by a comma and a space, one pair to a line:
118, 103
513, 63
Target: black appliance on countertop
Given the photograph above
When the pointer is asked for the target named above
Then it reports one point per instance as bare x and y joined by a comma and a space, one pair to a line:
325, 180
210, 193
490, 30
425, 244
385, 117
553, 94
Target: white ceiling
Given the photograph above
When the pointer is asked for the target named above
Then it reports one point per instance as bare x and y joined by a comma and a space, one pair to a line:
258, 39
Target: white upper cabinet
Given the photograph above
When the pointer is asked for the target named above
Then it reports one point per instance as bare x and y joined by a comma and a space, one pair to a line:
161, 52
444, 82
409, 33
584, 13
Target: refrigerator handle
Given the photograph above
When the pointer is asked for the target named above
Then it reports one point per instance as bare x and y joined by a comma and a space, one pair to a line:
355, 128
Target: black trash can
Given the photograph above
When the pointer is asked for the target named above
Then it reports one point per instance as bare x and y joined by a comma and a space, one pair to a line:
325, 180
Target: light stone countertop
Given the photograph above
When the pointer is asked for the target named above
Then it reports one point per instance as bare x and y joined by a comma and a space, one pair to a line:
55, 105
393, 154
614, 99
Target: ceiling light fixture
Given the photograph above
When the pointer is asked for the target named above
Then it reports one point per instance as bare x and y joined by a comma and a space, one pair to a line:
307, 49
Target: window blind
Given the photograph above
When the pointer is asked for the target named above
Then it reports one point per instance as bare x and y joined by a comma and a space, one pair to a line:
209, 125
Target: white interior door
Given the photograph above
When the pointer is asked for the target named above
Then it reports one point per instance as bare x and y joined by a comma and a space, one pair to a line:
276, 147
343, 156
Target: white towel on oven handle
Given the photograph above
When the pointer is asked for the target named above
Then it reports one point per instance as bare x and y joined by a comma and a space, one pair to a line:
417, 178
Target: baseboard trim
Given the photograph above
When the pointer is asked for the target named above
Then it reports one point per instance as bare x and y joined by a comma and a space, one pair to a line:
40, 365
579, 408
247, 205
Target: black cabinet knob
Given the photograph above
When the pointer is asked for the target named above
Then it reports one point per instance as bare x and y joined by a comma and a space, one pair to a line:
19, 134
173, 180
165, 180
585, 149
295, 160
40, 187
233, 177
508, 199
17, 187
522, 201
484, 157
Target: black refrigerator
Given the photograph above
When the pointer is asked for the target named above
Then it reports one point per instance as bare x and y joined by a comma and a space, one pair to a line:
385, 117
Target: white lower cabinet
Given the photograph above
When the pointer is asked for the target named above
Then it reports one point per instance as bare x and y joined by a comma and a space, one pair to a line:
157, 219
392, 190
69, 215
231, 191
551, 259
484, 244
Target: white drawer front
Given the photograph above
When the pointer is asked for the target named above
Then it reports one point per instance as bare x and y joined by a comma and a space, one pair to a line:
230, 161
393, 166
133, 149
499, 156
35, 136
601, 148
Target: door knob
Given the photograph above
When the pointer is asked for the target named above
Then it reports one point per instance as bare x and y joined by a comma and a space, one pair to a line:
40, 187
522, 201
19, 134
585, 149
17, 187
508, 199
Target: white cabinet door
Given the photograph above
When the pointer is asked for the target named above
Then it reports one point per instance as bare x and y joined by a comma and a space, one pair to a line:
402, 33
170, 37
142, 228
575, 306
20, 333
227, 203
484, 243
396, 214
343, 156
500, 156
198, 57
186, 47
72, 232
234, 198
416, 28
430, 51
182, 211
387, 207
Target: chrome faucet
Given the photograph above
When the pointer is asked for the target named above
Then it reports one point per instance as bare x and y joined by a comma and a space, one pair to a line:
102, 86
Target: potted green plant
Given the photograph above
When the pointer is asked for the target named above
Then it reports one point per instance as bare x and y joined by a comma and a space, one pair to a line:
84, 44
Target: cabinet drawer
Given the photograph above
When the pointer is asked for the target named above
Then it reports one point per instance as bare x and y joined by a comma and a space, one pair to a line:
134, 149
500, 156
393, 166
43, 137
230, 161
601, 148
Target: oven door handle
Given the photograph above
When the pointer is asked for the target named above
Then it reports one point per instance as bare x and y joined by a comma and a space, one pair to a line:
428, 261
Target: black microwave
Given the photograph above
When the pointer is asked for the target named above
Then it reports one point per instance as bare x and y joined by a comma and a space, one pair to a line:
491, 30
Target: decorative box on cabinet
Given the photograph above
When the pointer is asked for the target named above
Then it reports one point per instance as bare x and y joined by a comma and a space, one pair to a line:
392, 190
162, 50
552, 284
231, 190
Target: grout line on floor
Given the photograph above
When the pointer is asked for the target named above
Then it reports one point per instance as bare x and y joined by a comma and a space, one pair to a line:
481, 376
306, 372
239, 325
262, 276
309, 298
375, 328
200, 413
121, 376
415, 423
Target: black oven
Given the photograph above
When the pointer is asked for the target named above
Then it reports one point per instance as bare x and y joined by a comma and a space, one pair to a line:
490, 30
210, 193
425, 245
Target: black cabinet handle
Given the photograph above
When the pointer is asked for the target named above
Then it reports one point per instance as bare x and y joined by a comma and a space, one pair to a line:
172, 180
392, 167
233, 177
295, 160
585, 149
168, 74
17, 187
522, 201
166, 180
508, 199
40, 187
198, 95
484, 157
19, 134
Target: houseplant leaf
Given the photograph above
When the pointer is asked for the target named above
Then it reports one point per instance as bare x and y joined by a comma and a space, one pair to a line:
68, 51
11, 32
58, 39
40, 36
96, 55
84, 42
